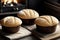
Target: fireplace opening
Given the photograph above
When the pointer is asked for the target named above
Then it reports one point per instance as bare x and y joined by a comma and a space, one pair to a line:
12, 5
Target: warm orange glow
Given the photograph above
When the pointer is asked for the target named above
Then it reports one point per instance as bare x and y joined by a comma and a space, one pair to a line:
15, 1
9, 1
5, 1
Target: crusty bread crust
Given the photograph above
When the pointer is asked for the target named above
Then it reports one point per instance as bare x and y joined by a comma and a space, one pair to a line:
46, 21
28, 14
11, 21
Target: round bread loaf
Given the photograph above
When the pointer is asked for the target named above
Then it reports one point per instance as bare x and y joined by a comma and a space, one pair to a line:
46, 21
28, 14
11, 21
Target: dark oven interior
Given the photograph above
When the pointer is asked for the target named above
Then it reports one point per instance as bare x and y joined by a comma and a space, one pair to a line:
12, 5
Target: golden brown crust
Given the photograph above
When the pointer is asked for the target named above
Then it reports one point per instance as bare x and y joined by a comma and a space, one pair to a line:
46, 21
28, 14
11, 21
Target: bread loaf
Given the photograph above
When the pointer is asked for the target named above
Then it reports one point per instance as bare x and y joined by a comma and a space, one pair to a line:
11, 21
46, 21
28, 14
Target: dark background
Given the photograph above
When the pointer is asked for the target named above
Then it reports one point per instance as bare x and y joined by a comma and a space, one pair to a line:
46, 7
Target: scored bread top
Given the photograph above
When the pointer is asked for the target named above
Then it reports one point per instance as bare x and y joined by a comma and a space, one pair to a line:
28, 14
46, 21
11, 21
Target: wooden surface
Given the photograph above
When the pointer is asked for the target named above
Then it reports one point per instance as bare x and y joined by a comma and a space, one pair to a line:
21, 33
43, 36
40, 36
30, 37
